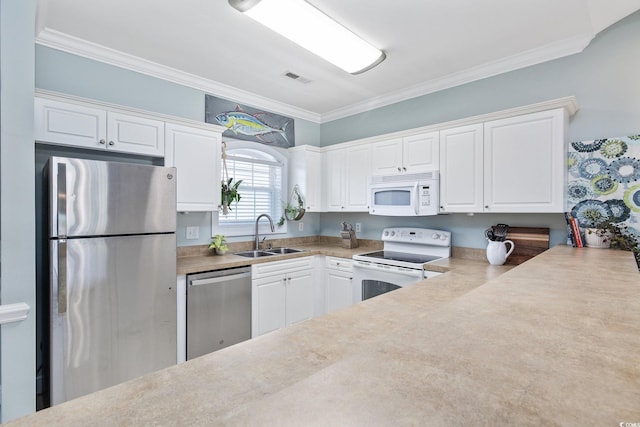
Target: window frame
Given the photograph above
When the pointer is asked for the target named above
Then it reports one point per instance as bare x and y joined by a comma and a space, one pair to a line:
281, 156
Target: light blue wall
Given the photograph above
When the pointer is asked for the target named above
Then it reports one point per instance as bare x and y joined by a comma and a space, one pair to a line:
17, 348
605, 78
66, 73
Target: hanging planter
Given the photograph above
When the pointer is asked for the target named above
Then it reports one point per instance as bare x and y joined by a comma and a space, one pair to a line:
294, 209
228, 189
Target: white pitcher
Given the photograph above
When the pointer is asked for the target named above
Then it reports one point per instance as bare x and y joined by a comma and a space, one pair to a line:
497, 252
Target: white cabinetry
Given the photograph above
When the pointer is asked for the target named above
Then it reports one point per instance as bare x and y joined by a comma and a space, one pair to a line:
461, 187
514, 164
94, 128
195, 153
412, 154
524, 163
338, 283
346, 171
282, 294
305, 170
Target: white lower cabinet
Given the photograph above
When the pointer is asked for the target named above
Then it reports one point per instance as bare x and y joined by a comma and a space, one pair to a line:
338, 273
282, 293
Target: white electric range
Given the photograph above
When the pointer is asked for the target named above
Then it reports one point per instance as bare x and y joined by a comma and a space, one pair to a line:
401, 262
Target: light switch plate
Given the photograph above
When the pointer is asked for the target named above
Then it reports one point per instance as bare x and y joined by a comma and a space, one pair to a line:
300, 226
192, 233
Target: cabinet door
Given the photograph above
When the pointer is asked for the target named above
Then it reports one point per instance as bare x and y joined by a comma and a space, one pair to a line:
268, 305
387, 157
357, 172
524, 160
70, 124
334, 167
339, 291
196, 155
420, 153
137, 135
461, 170
299, 296
305, 170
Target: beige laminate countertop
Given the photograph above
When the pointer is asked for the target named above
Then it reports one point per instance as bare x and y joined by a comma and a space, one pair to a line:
199, 263
554, 341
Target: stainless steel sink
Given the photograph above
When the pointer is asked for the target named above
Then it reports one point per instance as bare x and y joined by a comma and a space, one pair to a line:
254, 254
280, 251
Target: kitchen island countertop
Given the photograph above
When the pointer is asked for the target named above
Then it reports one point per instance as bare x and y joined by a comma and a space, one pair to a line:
553, 341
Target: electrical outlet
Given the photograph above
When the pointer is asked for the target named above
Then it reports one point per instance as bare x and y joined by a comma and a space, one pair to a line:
300, 226
358, 227
192, 233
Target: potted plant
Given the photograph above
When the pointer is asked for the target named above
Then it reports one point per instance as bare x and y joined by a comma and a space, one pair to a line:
229, 194
599, 235
219, 244
293, 210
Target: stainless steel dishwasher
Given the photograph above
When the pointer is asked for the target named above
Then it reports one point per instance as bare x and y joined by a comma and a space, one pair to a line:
218, 310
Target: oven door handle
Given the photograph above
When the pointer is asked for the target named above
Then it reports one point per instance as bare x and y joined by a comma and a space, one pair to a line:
388, 268
416, 204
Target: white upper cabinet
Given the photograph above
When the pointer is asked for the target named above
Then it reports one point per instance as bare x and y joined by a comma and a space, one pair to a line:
461, 169
410, 154
94, 128
515, 164
346, 173
195, 153
524, 163
358, 169
333, 172
305, 170
131, 134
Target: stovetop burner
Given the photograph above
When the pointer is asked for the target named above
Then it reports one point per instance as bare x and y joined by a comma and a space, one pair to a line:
401, 256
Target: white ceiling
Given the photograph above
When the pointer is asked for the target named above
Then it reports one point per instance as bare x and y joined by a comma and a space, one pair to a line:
430, 45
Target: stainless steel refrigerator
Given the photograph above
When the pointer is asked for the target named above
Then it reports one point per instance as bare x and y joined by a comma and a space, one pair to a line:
112, 274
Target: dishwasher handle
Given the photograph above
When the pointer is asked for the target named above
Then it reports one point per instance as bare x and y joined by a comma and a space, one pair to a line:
213, 280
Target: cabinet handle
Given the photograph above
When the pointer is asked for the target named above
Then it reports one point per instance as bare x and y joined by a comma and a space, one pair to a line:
102, 141
404, 169
399, 170
112, 143
486, 207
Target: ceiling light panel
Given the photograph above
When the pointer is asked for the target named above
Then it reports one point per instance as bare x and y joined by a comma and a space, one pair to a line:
307, 26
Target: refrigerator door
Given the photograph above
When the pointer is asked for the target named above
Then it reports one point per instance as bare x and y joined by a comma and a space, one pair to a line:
120, 317
95, 198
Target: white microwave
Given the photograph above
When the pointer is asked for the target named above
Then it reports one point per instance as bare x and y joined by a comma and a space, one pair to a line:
404, 195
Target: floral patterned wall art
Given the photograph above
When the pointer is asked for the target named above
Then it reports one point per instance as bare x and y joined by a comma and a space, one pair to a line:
604, 177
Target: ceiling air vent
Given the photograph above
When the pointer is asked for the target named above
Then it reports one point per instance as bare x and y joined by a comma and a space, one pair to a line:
294, 76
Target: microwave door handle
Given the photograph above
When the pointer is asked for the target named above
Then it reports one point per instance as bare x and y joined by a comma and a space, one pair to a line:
416, 205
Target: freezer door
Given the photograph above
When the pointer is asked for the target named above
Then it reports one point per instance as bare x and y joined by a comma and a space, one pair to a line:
120, 317
94, 198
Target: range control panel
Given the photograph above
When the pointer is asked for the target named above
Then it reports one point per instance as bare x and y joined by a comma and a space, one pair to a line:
424, 236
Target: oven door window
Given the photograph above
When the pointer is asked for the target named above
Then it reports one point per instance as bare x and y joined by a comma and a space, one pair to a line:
392, 197
373, 288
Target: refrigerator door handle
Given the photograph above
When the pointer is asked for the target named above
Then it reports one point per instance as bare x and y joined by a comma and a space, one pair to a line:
62, 200
62, 276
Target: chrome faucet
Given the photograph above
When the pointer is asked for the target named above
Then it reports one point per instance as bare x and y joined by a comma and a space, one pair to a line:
257, 235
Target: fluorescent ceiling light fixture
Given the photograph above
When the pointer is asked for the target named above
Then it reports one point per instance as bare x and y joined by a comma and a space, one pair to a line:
305, 25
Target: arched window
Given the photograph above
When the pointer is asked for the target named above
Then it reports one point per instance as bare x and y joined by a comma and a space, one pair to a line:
263, 173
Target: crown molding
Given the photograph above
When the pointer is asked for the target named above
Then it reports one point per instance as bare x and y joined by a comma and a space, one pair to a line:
66, 43
528, 58
74, 45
